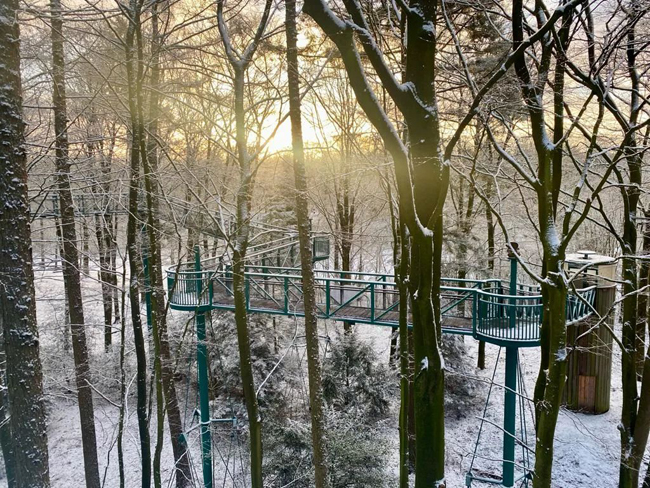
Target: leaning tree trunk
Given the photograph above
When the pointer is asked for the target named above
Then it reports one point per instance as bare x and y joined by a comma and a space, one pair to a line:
27, 422
318, 429
70, 255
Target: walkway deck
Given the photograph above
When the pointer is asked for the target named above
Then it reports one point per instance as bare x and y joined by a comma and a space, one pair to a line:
480, 308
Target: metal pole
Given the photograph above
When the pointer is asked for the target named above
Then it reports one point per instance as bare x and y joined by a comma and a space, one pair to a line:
202, 367
513, 284
510, 406
509, 417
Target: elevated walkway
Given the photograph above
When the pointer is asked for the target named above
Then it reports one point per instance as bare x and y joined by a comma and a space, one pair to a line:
479, 308
507, 315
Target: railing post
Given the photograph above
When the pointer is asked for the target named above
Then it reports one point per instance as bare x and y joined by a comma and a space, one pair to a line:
286, 294
197, 276
204, 400
202, 367
475, 312
512, 250
170, 285
372, 302
327, 297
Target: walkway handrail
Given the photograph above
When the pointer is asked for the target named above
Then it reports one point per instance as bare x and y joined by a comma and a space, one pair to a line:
497, 312
480, 309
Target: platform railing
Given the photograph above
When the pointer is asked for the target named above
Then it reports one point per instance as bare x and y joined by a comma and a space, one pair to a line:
191, 289
580, 307
480, 307
506, 318
340, 298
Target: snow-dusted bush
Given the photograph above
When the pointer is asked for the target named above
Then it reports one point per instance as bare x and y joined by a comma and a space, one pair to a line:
463, 393
357, 391
357, 453
353, 380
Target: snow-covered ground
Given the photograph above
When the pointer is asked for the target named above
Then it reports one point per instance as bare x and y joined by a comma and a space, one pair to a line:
586, 445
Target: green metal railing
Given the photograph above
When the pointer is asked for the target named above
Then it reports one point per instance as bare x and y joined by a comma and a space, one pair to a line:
481, 308
508, 318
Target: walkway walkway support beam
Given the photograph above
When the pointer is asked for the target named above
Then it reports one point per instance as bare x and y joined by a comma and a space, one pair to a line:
509, 417
510, 405
202, 366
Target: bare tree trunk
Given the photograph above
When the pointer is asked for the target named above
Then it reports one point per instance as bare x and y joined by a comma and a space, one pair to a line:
104, 277
632, 429
159, 318
133, 254
27, 413
404, 361
552, 373
239, 287
318, 429
71, 273
240, 63
421, 196
120, 427
85, 258
489, 220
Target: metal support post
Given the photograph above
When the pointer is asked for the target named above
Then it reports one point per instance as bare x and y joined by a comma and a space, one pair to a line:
509, 417
202, 367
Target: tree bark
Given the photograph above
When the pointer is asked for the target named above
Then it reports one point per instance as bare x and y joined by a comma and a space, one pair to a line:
105, 278
421, 196
633, 328
405, 461
240, 63
134, 255
159, 318
318, 429
27, 422
5, 427
239, 285
71, 273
